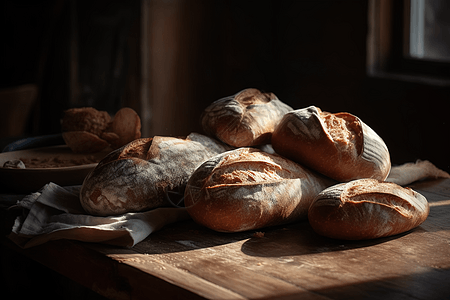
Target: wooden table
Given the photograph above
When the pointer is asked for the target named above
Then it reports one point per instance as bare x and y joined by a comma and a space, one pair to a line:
185, 260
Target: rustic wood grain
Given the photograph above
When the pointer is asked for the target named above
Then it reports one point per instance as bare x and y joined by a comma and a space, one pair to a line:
186, 260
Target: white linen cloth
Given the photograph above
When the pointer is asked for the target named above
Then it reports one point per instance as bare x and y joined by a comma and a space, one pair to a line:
55, 212
410, 172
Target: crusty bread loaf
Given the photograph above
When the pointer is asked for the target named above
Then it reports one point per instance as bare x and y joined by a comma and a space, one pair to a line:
339, 145
86, 119
87, 130
247, 118
367, 209
82, 129
247, 188
124, 128
140, 175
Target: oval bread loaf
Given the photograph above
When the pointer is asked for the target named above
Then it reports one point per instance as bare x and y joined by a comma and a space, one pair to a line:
339, 145
367, 209
247, 189
140, 175
247, 118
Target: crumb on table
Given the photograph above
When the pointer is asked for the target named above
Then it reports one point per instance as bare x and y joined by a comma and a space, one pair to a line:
258, 234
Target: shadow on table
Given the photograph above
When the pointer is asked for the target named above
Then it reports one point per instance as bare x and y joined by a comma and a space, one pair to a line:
431, 284
300, 239
289, 240
187, 236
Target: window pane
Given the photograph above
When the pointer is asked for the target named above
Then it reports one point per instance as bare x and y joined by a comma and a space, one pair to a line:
430, 30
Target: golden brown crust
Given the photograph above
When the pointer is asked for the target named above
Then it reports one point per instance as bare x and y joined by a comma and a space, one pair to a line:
246, 189
247, 118
339, 146
367, 209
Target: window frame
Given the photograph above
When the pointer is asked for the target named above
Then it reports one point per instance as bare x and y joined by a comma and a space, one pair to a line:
388, 42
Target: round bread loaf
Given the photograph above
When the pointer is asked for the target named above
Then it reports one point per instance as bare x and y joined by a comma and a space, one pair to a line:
82, 129
86, 119
247, 118
87, 130
141, 175
367, 209
339, 145
247, 189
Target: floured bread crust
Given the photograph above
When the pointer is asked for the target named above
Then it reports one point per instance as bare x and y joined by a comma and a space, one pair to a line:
142, 174
247, 118
247, 188
367, 209
339, 145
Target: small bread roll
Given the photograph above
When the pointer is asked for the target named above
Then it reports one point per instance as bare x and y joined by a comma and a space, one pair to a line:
86, 119
124, 128
245, 119
141, 175
87, 130
247, 189
339, 145
367, 209
84, 142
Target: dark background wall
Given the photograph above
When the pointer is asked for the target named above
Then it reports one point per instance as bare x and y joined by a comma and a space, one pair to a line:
306, 52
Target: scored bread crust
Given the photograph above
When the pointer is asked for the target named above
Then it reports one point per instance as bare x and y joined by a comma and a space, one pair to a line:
247, 118
339, 145
247, 189
139, 175
367, 209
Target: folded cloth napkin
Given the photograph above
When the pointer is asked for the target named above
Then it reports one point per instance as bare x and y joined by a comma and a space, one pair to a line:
414, 171
55, 213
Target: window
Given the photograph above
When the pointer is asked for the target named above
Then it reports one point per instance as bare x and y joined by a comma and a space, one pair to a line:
410, 40
429, 30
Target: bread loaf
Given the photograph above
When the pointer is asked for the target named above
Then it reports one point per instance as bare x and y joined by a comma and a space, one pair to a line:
124, 128
247, 118
339, 145
82, 127
142, 174
86, 119
87, 130
247, 189
367, 209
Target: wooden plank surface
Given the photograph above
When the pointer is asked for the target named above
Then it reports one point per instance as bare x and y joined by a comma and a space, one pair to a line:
293, 260
185, 260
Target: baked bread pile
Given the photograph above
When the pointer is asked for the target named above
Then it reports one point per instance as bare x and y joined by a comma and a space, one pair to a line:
329, 168
262, 163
